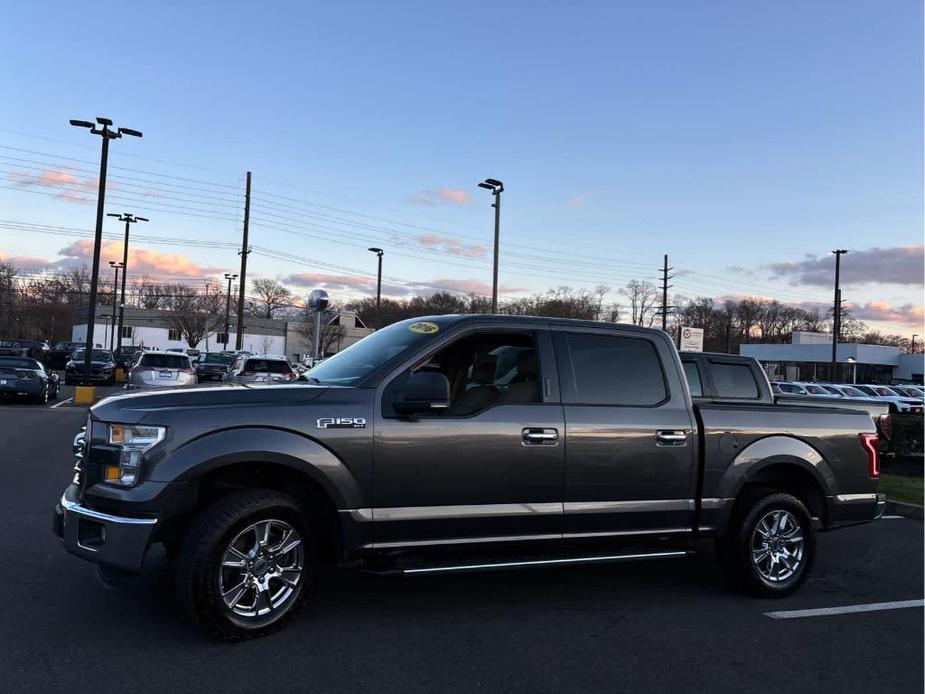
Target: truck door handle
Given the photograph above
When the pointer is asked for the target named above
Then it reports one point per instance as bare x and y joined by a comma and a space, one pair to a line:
671, 437
540, 437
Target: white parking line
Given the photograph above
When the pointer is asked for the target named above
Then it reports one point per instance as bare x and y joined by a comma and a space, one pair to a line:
847, 609
63, 402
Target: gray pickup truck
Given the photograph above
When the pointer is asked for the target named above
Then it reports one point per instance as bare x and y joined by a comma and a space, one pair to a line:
459, 443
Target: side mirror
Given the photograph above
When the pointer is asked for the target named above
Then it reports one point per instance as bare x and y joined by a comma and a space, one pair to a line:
425, 391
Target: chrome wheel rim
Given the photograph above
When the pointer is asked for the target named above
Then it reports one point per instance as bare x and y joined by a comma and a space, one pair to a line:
777, 546
261, 569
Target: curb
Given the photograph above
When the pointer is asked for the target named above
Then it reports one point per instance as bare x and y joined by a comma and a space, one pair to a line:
900, 509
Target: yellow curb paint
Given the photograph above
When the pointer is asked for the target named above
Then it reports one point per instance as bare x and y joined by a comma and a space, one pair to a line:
84, 395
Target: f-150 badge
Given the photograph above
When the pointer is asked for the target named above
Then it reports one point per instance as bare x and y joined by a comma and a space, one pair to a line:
341, 423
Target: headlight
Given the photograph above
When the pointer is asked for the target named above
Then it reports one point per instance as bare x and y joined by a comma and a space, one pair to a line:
132, 441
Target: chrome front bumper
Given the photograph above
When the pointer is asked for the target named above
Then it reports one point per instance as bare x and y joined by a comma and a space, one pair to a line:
102, 538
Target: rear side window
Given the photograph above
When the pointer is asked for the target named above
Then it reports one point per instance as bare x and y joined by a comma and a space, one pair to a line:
165, 361
693, 379
613, 370
734, 380
273, 366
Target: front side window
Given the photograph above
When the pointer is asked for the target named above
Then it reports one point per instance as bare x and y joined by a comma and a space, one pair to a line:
734, 380
615, 370
483, 369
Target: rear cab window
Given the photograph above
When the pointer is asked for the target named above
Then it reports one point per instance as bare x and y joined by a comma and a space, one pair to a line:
694, 384
273, 366
615, 370
734, 380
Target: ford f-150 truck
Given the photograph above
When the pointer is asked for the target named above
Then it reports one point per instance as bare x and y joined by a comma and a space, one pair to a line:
456, 443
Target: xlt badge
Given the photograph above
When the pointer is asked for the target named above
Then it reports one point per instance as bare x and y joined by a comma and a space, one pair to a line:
341, 423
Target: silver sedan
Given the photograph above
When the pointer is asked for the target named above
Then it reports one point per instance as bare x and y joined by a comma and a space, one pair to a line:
162, 370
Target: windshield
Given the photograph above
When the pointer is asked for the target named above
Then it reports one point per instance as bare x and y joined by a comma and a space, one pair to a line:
884, 392
853, 392
216, 358
165, 361
273, 366
362, 358
97, 355
815, 390
17, 363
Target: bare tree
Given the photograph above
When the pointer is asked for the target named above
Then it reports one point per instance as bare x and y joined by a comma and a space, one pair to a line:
194, 314
270, 298
643, 297
332, 332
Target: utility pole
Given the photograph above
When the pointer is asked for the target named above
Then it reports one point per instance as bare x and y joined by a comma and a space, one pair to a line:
912, 348
245, 251
378, 252
128, 219
836, 313
112, 327
665, 287
496, 187
228, 277
107, 135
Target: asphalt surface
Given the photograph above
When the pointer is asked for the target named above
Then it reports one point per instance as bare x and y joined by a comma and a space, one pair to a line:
632, 627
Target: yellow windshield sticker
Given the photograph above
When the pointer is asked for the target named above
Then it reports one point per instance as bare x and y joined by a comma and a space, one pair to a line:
424, 328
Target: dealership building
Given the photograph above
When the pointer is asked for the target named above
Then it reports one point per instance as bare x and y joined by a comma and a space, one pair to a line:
155, 329
808, 357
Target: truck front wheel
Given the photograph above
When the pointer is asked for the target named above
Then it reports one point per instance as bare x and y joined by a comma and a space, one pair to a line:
245, 566
771, 548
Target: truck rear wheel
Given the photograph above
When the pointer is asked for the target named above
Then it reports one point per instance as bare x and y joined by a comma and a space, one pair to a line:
245, 566
771, 549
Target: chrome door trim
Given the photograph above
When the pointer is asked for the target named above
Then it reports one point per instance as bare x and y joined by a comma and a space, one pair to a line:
549, 562
644, 505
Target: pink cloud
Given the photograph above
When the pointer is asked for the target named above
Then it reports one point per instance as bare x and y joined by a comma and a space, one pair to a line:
441, 196
71, 186
473, 287
451, 245
887, 313
343, 283
140, 260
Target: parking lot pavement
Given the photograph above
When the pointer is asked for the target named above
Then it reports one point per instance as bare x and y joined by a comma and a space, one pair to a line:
631, 627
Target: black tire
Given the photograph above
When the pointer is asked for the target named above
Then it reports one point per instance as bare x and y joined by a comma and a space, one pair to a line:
42, 398
198, 569
736, 551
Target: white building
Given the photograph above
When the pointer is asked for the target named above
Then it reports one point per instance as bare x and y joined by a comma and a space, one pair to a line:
153, 329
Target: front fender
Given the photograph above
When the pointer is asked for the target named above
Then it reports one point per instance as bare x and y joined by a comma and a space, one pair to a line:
774, 450
216, 449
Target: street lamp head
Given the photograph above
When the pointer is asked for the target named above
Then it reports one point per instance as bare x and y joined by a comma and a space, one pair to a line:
81, 123
839, 251
494, 182
486, 186
377, 251
128, 131
229, 276
103, 121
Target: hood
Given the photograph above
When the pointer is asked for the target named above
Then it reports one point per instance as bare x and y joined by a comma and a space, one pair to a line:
131, 408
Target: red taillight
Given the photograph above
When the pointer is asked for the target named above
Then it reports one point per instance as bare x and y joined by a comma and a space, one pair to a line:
869, 444
187, 371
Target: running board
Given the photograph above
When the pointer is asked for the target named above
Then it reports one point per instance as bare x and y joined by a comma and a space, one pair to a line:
524, 564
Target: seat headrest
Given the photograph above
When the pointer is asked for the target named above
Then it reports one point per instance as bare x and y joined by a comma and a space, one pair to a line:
483, 371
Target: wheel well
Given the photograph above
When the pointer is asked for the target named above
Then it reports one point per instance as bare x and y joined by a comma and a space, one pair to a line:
260, 475
784, 477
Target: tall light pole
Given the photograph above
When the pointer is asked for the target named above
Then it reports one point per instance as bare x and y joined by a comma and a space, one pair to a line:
912, 347
378, 252
836, 313
112, 327
228, 277
496, 187
129, 219
107, 134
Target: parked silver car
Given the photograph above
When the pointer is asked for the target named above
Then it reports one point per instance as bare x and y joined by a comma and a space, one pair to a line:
162, 370
261, 369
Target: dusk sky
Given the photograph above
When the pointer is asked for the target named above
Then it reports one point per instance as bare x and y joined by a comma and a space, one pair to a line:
746, 140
